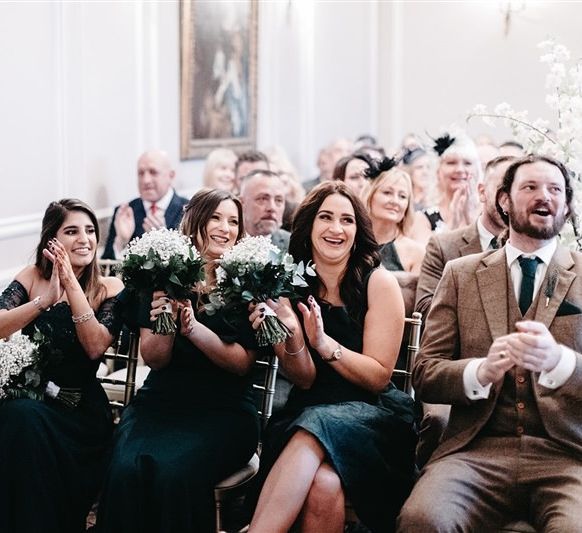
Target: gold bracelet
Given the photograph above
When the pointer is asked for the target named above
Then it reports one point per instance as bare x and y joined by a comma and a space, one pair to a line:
80, 319
295, 353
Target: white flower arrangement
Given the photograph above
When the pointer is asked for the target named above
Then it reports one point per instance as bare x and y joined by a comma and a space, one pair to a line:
255, 270
166, 243
562, 142
16, 354
162, 259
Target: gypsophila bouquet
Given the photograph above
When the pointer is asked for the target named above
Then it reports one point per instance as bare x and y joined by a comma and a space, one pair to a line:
162, 259
564, 140
255, 270
22, 370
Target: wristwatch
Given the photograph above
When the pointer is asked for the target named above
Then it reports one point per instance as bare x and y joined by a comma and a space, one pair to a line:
335, 355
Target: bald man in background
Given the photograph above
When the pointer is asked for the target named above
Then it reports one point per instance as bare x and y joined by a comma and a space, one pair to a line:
158, 204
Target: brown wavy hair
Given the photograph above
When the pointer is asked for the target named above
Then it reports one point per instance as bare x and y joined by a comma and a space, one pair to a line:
364, 257
53, 219
199, 209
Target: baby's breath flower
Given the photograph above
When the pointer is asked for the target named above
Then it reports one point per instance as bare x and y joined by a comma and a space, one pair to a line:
15, 354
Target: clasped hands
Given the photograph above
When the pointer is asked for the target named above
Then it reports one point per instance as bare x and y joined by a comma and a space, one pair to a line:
124, 223
62, 275
312, 321
161, 303
532, 347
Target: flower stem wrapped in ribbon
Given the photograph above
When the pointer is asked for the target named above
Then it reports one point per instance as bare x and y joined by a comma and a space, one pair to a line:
22, 371
255, 270
162, 259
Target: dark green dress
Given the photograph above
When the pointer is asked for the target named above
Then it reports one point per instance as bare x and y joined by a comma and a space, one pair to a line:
190, 425
368, 438
52, 456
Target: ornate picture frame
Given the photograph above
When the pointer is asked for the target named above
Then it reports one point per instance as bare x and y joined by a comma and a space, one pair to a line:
218, 85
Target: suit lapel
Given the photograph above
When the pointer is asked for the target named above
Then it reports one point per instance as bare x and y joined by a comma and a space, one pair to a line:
560, 267
173, 213
492, 284
472, 242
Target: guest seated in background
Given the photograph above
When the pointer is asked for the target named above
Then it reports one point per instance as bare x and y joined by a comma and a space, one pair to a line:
390, 206
459, 172
194, 420
511, 148
327, 159
352, 171
345, 432
219, 170
294, 191
263, 199
502, 345
51, 454
442, 248
420, 166
478, 237
247, 162
158, 204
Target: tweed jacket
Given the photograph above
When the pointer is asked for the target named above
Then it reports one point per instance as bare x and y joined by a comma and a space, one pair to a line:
442, 248
172, 216
469, 311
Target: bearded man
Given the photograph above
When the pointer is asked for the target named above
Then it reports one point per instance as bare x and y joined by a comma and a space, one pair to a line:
502, 345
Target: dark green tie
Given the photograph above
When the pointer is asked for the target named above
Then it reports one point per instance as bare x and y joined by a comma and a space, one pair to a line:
528, 268
494, 243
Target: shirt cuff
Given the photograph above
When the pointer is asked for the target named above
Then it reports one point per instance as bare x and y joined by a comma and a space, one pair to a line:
473, 389
562, 372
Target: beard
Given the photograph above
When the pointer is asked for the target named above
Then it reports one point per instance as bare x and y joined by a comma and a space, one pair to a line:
519, 222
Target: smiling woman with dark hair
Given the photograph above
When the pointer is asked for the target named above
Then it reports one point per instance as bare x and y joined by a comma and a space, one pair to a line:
194, 420
52, 452
345, 432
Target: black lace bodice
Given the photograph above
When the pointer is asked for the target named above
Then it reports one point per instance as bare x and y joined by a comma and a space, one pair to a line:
74, 369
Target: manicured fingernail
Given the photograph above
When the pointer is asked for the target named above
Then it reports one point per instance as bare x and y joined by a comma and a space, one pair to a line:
262, 314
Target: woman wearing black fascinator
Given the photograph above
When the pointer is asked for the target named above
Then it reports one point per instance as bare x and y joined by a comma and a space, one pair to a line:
352, 170
421, 167
458, 173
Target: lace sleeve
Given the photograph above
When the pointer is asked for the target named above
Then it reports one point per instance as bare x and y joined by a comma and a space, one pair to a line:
110, 315
13, 296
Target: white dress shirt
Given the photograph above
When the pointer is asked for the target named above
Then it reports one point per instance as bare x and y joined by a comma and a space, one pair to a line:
567, 363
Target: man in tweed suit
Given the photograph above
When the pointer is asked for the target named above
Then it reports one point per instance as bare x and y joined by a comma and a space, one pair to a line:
502, 345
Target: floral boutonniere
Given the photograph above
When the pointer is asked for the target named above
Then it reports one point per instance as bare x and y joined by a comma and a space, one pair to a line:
551, 286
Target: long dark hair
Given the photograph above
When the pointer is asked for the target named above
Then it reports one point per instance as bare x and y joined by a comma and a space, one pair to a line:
53, 219
200, 208
364, 257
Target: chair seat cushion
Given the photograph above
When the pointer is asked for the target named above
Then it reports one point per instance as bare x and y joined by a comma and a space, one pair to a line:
246, 473
116, 392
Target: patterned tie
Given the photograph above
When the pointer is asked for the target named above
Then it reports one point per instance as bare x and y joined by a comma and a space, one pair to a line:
528, 268
153, 208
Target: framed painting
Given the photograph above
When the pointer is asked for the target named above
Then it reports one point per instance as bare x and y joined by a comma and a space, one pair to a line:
218, 82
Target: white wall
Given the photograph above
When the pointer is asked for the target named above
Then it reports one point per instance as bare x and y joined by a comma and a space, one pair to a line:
438, 60
87, 86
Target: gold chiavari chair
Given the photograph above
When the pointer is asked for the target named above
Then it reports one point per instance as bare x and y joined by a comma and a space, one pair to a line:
108, 267
234, 485
121, 389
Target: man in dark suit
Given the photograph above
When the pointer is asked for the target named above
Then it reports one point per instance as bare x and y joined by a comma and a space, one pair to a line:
502, 345
158, 204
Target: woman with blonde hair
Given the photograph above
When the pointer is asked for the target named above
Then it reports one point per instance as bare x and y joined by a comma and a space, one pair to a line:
391, 208
219, 170
459, 172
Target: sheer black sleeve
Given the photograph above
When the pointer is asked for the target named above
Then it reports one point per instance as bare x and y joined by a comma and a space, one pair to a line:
110, 315
13, 296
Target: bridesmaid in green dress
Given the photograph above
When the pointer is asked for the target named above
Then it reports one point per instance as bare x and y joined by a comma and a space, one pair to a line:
52, 455
194, 421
